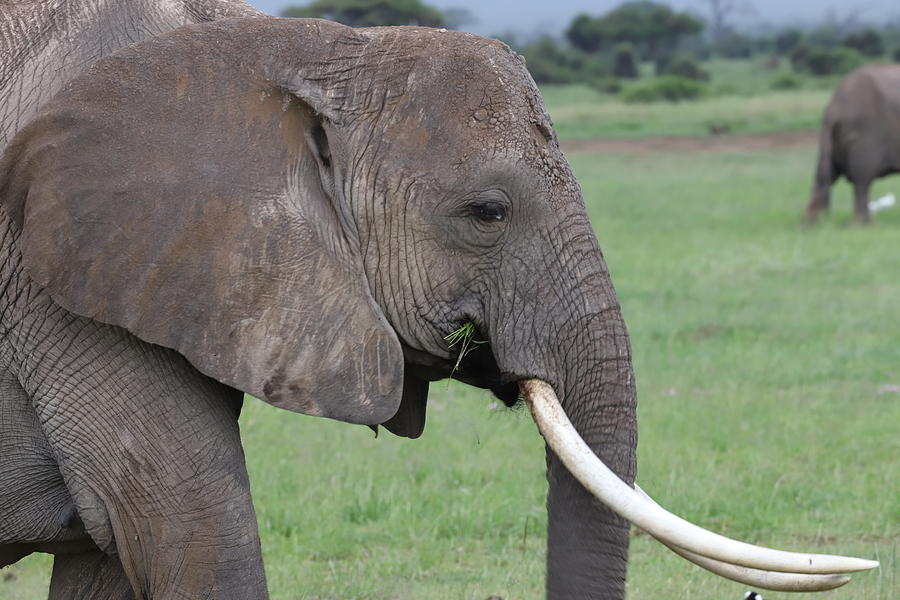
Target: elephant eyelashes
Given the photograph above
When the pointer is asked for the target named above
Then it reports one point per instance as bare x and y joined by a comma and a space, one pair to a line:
317, 140
320, 145
480, 219
488, 211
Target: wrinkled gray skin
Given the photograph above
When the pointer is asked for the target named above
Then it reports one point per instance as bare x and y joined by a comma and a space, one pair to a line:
292, 209
860, 137
44, 43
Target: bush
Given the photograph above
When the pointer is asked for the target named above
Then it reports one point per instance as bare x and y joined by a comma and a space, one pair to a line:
897, 55
682, 66
799, 55
549, 62
833, 61
369, 14
825, 35
867, 42
726, 89
735, 45
773, 63
624, 64
717, 127
787, 40
586, 66
785, 81
606, 85
670, 88
545, 70
818, 60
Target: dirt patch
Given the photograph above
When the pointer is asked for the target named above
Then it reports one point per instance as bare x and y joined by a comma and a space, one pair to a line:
711, 143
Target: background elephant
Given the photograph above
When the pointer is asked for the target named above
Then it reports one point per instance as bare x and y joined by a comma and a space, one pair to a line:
303, 212
860, 137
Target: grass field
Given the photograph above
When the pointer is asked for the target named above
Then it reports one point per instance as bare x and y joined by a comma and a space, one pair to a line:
740, 100
765, 354
581, 112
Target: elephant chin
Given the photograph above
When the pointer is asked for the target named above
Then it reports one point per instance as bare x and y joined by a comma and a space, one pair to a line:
478, 368
746, 563
409, 420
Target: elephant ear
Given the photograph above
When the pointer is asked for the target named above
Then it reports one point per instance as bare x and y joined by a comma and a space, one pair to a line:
185, 189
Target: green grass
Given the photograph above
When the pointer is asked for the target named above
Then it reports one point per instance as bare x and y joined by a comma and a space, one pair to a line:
462, 341
766, 345
753, 77
581, 113
761, 348
740, 99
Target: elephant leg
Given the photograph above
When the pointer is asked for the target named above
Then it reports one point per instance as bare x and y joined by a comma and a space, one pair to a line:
37, 513
89, 576
150, 452
861, 201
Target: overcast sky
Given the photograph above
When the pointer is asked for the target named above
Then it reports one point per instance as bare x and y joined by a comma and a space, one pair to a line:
496, 16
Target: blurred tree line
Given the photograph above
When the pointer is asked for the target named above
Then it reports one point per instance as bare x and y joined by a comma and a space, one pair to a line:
373, 13
647, 39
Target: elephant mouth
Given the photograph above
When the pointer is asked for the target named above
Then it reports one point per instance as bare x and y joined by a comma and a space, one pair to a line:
478, 368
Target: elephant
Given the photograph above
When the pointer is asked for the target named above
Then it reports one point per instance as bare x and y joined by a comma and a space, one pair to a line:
859, 138
303, 212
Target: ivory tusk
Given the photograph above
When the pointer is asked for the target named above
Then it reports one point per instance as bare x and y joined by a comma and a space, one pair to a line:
596, 477
767, 580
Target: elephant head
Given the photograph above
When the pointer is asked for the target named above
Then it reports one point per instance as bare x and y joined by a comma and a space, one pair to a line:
305, 211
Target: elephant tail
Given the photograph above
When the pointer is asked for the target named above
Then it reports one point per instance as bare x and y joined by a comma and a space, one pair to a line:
826, 172
826, 169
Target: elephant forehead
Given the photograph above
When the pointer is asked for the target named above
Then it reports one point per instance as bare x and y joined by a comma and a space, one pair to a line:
467, 101
461, 76
482, 82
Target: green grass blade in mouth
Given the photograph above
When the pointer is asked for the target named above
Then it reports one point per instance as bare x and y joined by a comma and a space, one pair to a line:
464, 338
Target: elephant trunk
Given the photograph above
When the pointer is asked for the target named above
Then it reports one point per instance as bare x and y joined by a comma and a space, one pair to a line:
587, 543
591, 435
577, 343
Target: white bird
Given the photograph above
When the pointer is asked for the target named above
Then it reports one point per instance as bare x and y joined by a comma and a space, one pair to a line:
882, 203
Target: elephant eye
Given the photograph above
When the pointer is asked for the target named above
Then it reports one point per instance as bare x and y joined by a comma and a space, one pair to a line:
488, 211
